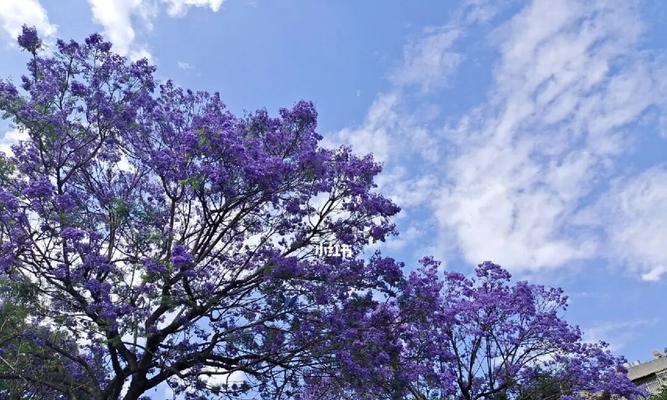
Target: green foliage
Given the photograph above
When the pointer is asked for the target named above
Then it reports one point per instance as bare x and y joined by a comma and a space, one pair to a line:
544, 387
662, 395
12, 356
22, 359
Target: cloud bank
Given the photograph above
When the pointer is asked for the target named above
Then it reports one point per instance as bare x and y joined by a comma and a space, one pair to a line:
514, 177
15, 13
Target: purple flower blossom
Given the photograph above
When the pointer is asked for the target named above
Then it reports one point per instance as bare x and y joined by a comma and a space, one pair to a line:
39, 188
153, 268
28, 39
73, 234
7, 201
180, 256
78, 89
6, 261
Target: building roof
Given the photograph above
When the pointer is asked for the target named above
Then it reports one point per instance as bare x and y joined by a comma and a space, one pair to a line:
647, 368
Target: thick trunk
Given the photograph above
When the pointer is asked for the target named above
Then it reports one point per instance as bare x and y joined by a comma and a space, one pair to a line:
137, 388
113, 390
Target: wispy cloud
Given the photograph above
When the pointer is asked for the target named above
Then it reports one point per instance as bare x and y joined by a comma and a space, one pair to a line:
122, 19
179, 8
398, 133
508, 180
375, 134
428, 61
634, 216
569, 81
185, 66
617, 333
118, 18
10, 138
15, 13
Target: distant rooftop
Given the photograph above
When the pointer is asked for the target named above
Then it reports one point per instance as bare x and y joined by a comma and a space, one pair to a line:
646, 369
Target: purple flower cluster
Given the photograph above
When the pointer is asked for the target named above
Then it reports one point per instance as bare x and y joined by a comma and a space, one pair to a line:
180, 256
28, 39
39, 188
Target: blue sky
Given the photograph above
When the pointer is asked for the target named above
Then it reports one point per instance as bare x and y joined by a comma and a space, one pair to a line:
530, 133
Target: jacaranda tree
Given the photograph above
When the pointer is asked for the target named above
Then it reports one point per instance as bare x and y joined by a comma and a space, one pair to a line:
170, 240
159, 239
472, 338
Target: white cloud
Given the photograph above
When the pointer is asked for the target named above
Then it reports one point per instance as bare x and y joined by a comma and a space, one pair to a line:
569, 80
396, 139
374, 135
11, 137
16, 13
117, 17
398, 135
405, 189
406, 238
122, 18
634, 215
185, 66
389, 131
179, 8
480, 11
428, 61
507, 180
617, 333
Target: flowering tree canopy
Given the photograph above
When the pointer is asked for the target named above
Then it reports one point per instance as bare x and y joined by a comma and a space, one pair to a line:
149, 237
472, 338
169, 240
